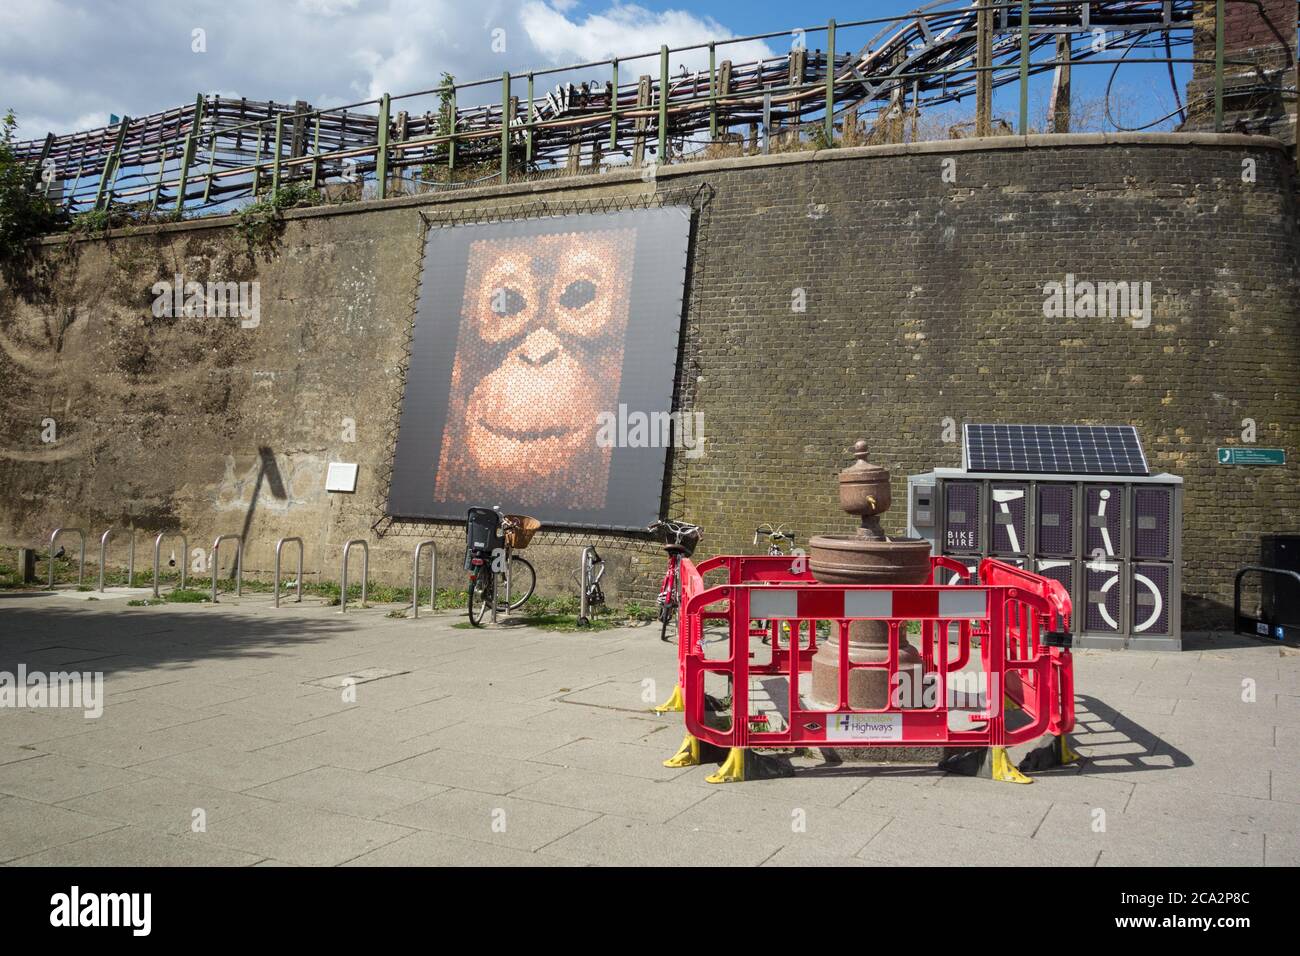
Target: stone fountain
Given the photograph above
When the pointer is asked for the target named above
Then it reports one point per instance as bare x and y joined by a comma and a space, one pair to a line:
868, 556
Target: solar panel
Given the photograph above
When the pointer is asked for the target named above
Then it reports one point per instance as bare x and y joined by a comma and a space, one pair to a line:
1054, 449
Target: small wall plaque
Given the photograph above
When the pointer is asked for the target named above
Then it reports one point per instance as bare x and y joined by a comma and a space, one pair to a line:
342, 476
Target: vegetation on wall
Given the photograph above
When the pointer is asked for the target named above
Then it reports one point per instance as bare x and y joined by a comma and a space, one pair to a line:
24, 212
260, 223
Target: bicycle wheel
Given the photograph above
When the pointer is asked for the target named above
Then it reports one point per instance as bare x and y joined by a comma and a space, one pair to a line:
523, 581
666, 614
481, 594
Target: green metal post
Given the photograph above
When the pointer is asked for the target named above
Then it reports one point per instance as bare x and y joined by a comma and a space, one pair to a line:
663, 105
505, 126
830, 83
613, 108
528, 124
40, 162
212, 162
257, 163
109, 173
315, 152
713, 92
187, 157
381, 153
275, 169
1218, 65
1024, 67
157, 186
451, 131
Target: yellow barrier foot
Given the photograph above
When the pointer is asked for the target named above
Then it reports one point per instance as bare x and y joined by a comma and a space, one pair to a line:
674, 704
744, 764
991, 763
1067, 753
1056, 752
1003, 769
688, 754
732, 769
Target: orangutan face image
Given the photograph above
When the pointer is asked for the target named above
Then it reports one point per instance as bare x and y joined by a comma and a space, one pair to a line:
539, 354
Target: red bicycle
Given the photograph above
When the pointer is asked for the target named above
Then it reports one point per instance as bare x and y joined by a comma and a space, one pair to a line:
679, 540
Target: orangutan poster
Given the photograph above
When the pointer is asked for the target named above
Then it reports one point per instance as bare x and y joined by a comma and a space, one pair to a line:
531, 338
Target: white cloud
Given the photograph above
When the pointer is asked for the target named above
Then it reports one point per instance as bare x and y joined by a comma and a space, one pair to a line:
64, 63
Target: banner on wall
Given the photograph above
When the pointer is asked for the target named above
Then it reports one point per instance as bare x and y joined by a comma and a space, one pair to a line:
536, 342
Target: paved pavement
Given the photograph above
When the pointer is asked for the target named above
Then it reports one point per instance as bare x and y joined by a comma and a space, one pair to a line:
225, 739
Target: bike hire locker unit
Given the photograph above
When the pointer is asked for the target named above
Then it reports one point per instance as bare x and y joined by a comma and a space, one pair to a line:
1076, 503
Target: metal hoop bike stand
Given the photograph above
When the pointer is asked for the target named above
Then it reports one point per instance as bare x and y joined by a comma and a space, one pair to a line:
81, 567
157, 549
103, 557
365, 573
279, 545
239, 563
433, 577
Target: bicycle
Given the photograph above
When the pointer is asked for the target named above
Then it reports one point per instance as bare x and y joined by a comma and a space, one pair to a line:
494, 569
777, 539
593, 569
679, 540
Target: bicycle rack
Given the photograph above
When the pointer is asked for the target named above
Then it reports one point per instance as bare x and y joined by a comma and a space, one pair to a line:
239, 563
584, 583
365, 573
81, 567
157, 549
279, 545
433, 577
1250, 626
103, 557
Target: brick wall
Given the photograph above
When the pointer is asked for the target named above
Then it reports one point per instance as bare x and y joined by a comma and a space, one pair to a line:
923, 270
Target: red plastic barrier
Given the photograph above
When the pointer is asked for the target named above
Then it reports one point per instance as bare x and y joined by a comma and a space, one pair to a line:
1007, 619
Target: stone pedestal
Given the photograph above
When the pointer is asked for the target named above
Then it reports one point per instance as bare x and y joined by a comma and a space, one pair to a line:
866, 557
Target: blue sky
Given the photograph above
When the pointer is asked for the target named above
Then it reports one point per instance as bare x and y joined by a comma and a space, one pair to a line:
139, 56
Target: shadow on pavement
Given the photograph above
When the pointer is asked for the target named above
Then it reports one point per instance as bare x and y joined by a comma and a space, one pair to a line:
116, 639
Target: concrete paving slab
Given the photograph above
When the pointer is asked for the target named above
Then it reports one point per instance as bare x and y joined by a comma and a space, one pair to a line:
303, 835
455, 768
348, 749
495, 740
439, 849
52, 778
907, 841
353, 792
28, 827
653, 801
490, 818
134, 846
619, 841
1135, 839
227, 769
767, 817
163, 805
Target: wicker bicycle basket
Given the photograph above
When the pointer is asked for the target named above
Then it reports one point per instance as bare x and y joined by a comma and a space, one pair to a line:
517, 538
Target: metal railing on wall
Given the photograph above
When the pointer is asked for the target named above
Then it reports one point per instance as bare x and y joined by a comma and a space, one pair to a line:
209, 155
